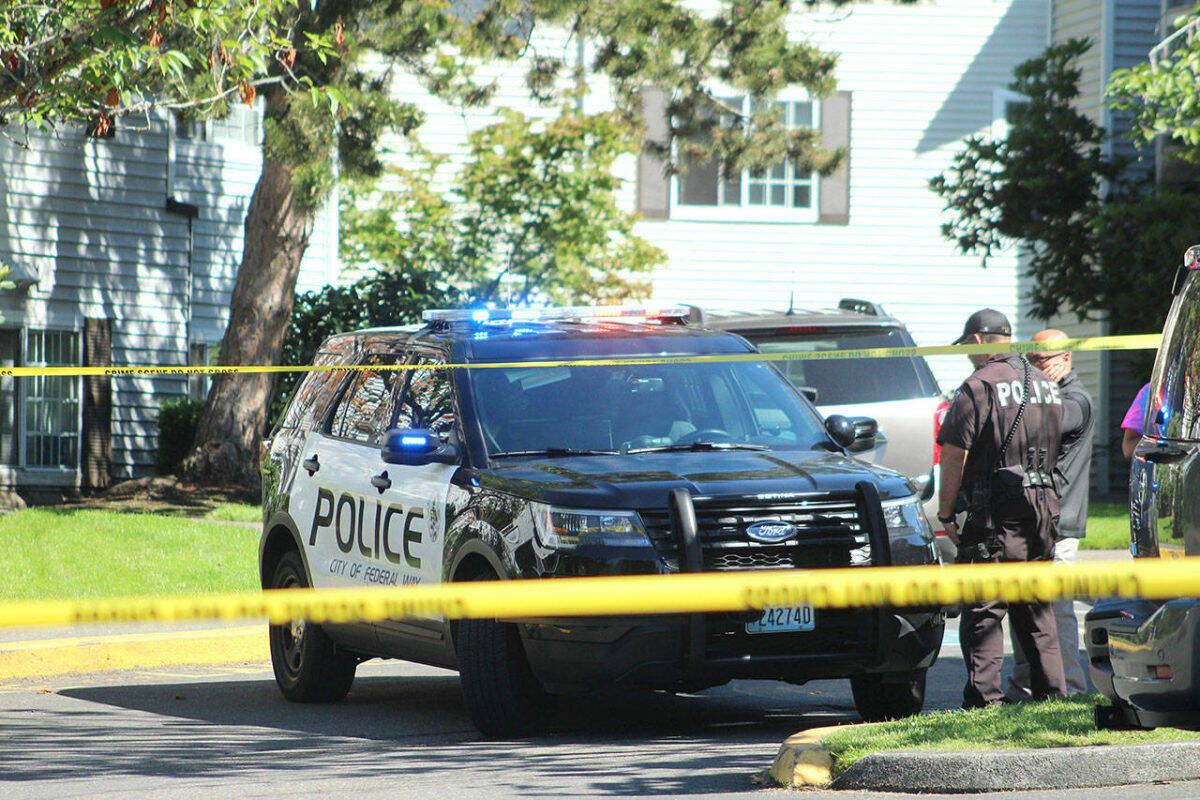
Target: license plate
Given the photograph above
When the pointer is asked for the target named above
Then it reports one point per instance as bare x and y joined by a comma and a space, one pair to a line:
784, 618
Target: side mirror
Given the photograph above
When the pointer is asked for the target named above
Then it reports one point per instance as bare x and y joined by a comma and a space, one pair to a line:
416, 447
840, 429
866, 435
855, 434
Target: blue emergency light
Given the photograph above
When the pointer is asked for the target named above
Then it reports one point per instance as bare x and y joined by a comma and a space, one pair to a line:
414, 442
416, 447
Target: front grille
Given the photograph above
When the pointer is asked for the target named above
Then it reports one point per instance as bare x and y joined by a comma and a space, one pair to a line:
831, 534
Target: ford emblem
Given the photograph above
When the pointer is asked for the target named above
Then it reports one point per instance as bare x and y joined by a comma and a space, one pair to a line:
771, 532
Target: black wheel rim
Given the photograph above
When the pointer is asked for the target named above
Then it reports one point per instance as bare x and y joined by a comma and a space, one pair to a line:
291, 635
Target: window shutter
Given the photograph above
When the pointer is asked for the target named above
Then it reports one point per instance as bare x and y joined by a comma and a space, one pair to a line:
835, 133
97, 405
653, 184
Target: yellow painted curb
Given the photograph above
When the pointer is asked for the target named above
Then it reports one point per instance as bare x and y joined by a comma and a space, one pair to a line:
41, 658
803, 760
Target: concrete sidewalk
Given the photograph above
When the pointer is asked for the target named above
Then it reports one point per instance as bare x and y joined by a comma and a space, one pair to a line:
29, 653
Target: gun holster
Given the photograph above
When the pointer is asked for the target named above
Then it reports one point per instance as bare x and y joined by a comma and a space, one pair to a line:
977, 552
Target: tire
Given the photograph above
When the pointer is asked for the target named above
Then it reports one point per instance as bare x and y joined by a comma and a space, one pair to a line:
501, 693
882, 697
309, 667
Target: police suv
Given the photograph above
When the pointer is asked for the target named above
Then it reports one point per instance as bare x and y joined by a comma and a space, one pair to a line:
513, 469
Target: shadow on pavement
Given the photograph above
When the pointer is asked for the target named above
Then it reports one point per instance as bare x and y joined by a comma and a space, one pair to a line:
415, 729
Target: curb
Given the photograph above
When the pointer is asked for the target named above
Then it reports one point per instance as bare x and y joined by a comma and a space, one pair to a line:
46, 657
1015, 770
803, 761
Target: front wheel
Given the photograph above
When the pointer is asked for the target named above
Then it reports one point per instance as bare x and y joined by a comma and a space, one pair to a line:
883, 697
309, 667
502, 695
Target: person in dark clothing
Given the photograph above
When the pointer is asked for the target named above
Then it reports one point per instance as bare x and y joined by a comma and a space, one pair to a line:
1072, 471
1000, 446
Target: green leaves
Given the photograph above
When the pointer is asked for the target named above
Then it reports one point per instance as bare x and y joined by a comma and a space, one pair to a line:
1164, 98
532, 214
1098, 245
59, 60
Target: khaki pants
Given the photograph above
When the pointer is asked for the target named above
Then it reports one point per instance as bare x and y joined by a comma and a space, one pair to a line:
1066, 551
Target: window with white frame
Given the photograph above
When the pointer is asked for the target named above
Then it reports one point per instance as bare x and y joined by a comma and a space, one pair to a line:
783, 192
1006, 105
243, 124
10, 356
50, 421
201, 354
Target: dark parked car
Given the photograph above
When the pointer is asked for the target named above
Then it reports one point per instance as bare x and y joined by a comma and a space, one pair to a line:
508, 470
1145, 655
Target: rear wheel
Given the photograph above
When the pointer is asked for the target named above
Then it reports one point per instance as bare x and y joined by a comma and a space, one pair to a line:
309, 667
884, 697
502, 695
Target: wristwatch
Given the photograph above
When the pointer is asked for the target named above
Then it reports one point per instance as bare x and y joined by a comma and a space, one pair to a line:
945, 520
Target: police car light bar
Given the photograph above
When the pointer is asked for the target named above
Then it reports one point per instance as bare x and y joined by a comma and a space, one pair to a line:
480, 316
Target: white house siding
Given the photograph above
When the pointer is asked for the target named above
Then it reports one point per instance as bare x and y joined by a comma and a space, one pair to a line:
923, 79
88, 217
1086, 19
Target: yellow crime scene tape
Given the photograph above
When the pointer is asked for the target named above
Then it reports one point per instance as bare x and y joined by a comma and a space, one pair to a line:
1148, 341
656, 594
855, 587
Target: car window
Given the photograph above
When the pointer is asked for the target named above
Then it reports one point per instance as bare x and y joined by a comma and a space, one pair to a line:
1173, 410
365, 406
312, 396
637, 406
428, 399
848, 381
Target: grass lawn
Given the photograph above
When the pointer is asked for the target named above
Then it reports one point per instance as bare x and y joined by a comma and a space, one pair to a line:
1107, 527
87, 553
1061, 723
236, 512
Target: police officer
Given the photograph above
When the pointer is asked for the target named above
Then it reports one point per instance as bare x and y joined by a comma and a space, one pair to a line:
1072, 470
999, 447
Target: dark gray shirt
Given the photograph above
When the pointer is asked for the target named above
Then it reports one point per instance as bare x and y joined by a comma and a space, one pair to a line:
1075, 457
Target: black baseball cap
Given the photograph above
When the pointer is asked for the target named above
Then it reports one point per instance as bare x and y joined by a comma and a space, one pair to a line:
985, 320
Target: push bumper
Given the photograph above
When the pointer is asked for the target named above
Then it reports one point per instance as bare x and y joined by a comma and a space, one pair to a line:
693, 651
1145, 658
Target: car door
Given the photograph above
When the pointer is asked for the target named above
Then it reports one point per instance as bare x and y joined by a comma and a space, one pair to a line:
428, 401
1165, 473
334, 499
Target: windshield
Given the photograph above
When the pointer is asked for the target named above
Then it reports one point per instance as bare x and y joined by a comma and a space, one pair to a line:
848, 381
619, 408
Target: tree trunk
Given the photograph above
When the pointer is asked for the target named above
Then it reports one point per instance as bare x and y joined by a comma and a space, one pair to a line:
277, 231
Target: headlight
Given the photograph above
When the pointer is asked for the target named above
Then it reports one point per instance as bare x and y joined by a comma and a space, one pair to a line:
909, 532
568, 528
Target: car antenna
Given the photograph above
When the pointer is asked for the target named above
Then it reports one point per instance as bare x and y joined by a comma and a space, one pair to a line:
791, 303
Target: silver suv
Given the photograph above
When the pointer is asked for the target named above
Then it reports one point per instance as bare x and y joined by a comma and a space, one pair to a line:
900, 394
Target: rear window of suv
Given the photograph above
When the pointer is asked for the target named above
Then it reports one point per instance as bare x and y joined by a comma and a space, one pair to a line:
848, 381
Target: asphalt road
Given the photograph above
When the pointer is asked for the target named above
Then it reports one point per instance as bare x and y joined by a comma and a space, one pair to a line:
225, 732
